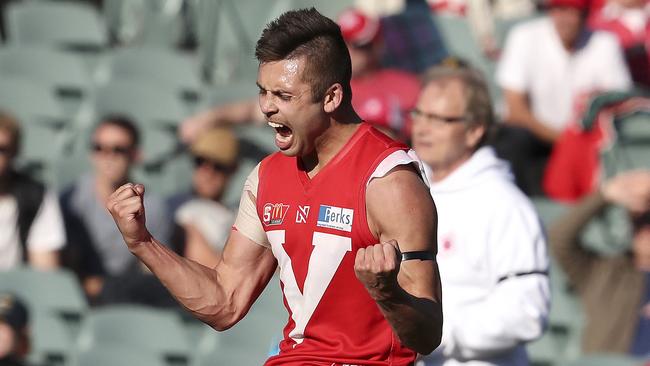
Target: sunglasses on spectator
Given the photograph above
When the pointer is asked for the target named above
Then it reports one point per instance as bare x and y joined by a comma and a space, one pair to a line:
429, 117
200, 161
115, 150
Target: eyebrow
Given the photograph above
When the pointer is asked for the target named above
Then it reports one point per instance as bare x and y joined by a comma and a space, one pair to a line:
277, 91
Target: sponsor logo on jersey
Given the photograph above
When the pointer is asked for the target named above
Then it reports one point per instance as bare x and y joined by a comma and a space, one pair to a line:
337, 218
301, 214
274, 213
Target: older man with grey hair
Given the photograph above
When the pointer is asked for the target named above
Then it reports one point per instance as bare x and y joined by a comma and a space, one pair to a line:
492, 250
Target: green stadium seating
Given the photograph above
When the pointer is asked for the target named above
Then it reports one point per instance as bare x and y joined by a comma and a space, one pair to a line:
64, 73
56, 291
49, 294
543, 352
330, 9
155, 109
157, 65
251, 340
155, 331
43, 121
52, 341
606, 360
60, 23
116, 356
151, 23
460, 42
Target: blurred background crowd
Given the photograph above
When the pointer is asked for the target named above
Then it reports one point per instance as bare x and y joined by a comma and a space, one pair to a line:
96, 93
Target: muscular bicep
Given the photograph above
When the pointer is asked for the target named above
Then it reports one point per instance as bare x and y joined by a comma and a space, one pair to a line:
244, 271
400, 208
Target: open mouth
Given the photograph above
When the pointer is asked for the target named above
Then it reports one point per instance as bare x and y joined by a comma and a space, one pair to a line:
281, 129
283, 135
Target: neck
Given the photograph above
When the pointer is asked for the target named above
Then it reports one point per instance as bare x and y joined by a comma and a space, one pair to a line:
342, 126
5, 182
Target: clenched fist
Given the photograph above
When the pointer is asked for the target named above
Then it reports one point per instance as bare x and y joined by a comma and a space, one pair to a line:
126, 205
376, 266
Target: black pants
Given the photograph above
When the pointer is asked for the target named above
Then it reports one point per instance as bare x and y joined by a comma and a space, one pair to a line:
526, 154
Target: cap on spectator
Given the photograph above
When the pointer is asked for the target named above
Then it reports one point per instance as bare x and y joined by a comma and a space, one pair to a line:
578, 4
13, 311
358, 28
218, 144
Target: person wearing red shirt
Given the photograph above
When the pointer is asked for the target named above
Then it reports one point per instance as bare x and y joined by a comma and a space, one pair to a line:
342, 209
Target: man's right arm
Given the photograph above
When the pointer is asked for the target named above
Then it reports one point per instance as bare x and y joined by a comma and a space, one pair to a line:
219, 296
519, 114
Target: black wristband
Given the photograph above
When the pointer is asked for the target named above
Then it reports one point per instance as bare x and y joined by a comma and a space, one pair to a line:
423, 255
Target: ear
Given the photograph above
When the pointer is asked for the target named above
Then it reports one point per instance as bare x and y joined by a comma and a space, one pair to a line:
474, 134
333, 98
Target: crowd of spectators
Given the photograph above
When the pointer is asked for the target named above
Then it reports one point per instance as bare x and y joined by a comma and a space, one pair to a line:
483, 168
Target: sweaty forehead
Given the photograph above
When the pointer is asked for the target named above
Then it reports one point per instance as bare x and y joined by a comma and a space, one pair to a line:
284, 74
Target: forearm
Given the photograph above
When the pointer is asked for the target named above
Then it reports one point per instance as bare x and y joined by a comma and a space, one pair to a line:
538, 128
416, 321
520, 114
194, 286
44, 260
565, 231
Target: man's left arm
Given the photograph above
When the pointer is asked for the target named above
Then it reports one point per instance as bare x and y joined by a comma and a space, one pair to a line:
402, 215
516, 309
46, 235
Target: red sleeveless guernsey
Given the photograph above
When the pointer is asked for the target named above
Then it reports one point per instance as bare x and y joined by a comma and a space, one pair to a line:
315, 227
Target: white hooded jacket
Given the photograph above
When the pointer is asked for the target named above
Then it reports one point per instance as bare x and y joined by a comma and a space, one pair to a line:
493, 262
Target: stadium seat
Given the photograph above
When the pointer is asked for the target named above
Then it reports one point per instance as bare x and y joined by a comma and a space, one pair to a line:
251, 340
544, 351
606, 360
331, 9
65, 73
166, 175
461, 43
51, 340
156, 110
156, 65
548, 210
151, 23
44, 124
156, 331
116, 356
68, 24
228, 31
48, 292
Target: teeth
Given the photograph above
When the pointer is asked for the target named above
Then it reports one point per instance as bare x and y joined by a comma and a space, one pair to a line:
275, 125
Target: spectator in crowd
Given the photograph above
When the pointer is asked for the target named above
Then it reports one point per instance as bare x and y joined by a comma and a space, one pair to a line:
14, 333
380, 96
614, 291
31, 227
96, 251
205, 220
494, 276
481, 16
629, 20
546, 64
411, 39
